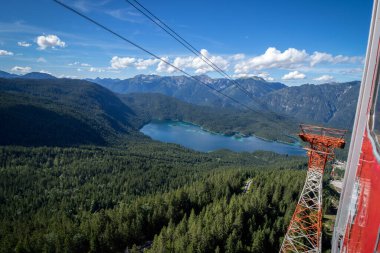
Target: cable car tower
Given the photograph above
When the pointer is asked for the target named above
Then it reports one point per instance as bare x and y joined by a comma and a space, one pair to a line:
304, 231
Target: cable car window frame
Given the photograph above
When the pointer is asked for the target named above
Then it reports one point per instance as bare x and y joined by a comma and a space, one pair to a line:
372, 114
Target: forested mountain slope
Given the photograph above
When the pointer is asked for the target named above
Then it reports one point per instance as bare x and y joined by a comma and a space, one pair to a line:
107, 199
64, 112
149, 106
60, 112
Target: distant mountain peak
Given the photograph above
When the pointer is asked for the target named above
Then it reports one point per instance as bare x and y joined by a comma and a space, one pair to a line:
4, 74
38, 75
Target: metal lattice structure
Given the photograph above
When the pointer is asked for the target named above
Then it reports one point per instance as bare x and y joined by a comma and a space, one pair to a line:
304, 231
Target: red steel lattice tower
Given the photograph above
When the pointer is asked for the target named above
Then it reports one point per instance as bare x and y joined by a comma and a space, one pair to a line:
304, 231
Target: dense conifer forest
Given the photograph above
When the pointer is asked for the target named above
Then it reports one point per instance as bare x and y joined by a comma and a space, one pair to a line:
97, 199
77, 176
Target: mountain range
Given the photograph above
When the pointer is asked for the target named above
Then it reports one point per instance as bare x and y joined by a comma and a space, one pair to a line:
31, 75
41, 109
70, 112
332, 104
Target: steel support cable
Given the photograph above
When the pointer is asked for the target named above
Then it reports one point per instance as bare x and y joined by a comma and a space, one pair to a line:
186, 44
152, 54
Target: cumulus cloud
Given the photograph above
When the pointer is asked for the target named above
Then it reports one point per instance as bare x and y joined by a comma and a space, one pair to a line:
23, 44
273, 58
122, 62
201, 67
291, 58
197, 64
144, 64
318, 57
85, 65
51, 40
5, 52
324, 78
163, 67
294, 75
265, 76
21, 69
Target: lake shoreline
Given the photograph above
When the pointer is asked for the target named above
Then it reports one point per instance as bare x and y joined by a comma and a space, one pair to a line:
198, 138
234, 134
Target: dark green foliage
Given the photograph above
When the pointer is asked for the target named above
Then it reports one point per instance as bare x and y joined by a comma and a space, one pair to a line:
61, 112
106, 199
252, 222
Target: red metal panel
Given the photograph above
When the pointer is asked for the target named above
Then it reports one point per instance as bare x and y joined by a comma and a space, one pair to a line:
362, 233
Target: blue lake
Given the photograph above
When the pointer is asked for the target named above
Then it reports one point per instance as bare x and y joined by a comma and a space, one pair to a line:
194, 137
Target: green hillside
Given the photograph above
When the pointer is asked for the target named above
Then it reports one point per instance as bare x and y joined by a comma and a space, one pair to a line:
66, 112
149, 106
61, 112
107, 199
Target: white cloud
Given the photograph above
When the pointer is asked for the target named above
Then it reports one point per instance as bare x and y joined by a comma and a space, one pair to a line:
294, 75
144, 64
21, 69
324, 78
41, 59
265, 76
68, 76
197, 64
5, 52
85, 65
99, 70
45, 72
23, 44
51, 40
121, 62
243, 75
237, 57
318, 57
163, 67
201, 67
291, 58
273, 58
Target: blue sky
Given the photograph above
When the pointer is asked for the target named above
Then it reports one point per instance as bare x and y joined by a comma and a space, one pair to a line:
293, 42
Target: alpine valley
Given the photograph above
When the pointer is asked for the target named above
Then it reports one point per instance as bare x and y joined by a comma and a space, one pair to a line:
77, 175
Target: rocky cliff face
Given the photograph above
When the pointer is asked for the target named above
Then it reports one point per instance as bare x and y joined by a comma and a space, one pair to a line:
328, 104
